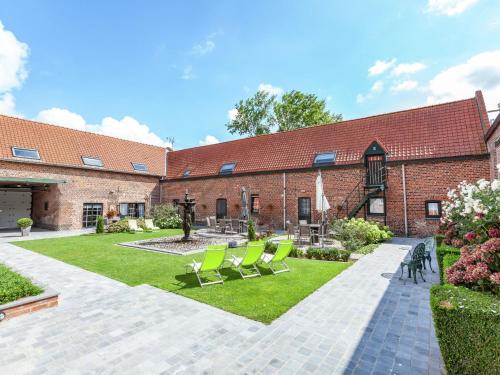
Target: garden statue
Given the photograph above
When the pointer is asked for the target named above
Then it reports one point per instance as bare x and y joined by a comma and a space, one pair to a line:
188, 206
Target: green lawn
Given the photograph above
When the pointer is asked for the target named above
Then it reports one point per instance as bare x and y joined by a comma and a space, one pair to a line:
263, 299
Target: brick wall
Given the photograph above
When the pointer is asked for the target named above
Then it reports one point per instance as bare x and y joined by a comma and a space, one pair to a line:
494, 149
424, 181
65, 201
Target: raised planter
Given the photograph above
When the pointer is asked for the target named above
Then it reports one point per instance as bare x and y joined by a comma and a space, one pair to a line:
49, 298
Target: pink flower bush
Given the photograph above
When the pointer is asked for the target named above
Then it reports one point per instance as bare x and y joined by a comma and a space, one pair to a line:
469, 236
457, 243
478, 267
494, 232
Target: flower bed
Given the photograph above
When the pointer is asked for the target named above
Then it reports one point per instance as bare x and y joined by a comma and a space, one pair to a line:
14, 286
356, 233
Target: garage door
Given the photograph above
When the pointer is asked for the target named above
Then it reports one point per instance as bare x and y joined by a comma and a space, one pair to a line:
14, 205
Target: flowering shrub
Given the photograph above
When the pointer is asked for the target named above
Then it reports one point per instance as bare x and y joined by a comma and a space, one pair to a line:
165, 216
472, 213
478, 267
355, 233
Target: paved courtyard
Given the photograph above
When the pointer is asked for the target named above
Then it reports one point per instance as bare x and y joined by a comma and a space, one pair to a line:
365, 321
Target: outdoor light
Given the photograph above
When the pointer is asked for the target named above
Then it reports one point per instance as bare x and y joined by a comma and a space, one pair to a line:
2, 316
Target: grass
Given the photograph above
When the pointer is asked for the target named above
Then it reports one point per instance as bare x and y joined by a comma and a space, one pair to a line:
14, 286
263, 299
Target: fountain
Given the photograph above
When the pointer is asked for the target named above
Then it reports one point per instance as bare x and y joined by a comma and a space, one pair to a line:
188, 206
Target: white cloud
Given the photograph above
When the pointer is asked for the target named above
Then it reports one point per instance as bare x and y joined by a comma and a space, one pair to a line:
408, 68
231, 114
203, 48
329, 98
360, 98
407, 85
126, 128
380, 67
449, 7
481, 71
62, 117
187, 73
7, 104
270, 89
209, 140
378, 86
13, 55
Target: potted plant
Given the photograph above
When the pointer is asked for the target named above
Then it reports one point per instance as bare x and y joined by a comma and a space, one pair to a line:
111, 215
25, 224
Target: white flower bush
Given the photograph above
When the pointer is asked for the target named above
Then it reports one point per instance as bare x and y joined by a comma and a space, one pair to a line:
472, 211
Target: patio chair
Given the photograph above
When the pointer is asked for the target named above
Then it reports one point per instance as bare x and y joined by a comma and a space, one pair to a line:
415, 262
133, 227
252, 255
213, 224
283, 250
303, 234
212, 262
148, 223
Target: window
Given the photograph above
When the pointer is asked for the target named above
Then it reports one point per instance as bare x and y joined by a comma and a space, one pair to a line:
92, 162
46, 206
227, 168
139, 167
220, 208
376, 206
25, 153
175, 202
255, 203
433, 209
186, 173
304, 209
324, 159
90, 213
134, 210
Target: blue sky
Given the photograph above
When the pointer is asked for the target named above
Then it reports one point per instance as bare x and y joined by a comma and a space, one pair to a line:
151, 70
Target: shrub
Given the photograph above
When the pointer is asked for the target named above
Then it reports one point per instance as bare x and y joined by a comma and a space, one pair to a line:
99, 225
448, 261
271, 247
295, 252
118, 227
251, 230
14, 286
165, 216
478, 267
355, 233
441, 251
467, 325
472, 212
331, 254
439, 239
24, 222
367, 249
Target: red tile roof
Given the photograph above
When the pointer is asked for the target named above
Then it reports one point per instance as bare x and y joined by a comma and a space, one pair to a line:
62, 146
443, 130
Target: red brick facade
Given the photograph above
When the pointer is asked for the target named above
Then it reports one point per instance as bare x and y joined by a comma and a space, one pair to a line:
493, 142
61, 206
426, 180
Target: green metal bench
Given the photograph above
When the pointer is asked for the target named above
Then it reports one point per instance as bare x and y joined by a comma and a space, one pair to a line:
415, 263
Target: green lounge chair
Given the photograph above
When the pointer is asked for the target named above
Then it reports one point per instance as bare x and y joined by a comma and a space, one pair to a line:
252, 255
212, 262
283, 250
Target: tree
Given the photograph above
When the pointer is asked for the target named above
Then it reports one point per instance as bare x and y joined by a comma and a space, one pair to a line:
298, 110
254, 116
262, 113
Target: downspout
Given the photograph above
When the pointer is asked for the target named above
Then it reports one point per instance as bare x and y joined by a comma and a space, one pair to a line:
284, 201
404, 199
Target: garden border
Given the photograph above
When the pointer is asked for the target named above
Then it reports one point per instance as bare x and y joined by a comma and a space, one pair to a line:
26, 305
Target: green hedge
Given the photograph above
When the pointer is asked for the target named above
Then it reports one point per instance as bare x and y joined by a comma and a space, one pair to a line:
14, 286
441, 251
467, 327
448, 261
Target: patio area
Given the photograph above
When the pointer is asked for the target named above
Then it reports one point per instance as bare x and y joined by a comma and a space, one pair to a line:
364, 321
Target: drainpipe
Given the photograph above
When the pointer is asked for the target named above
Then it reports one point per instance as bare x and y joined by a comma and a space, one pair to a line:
284, 201
404, 199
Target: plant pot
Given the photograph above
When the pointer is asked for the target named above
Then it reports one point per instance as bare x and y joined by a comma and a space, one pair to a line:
25, 231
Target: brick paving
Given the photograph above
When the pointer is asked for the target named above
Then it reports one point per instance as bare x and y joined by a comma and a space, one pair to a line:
365, 321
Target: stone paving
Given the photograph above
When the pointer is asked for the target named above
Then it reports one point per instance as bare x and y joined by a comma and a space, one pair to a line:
365, 321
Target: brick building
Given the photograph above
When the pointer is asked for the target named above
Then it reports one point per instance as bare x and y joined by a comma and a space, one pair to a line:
395, 168
64, 178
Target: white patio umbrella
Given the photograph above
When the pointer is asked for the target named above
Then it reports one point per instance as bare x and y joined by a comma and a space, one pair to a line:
322, 204
244, 204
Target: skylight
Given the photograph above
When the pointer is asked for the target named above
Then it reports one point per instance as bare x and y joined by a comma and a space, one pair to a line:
140, 167
92, 162
186, 173
25, 153
227, 168
324, 159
